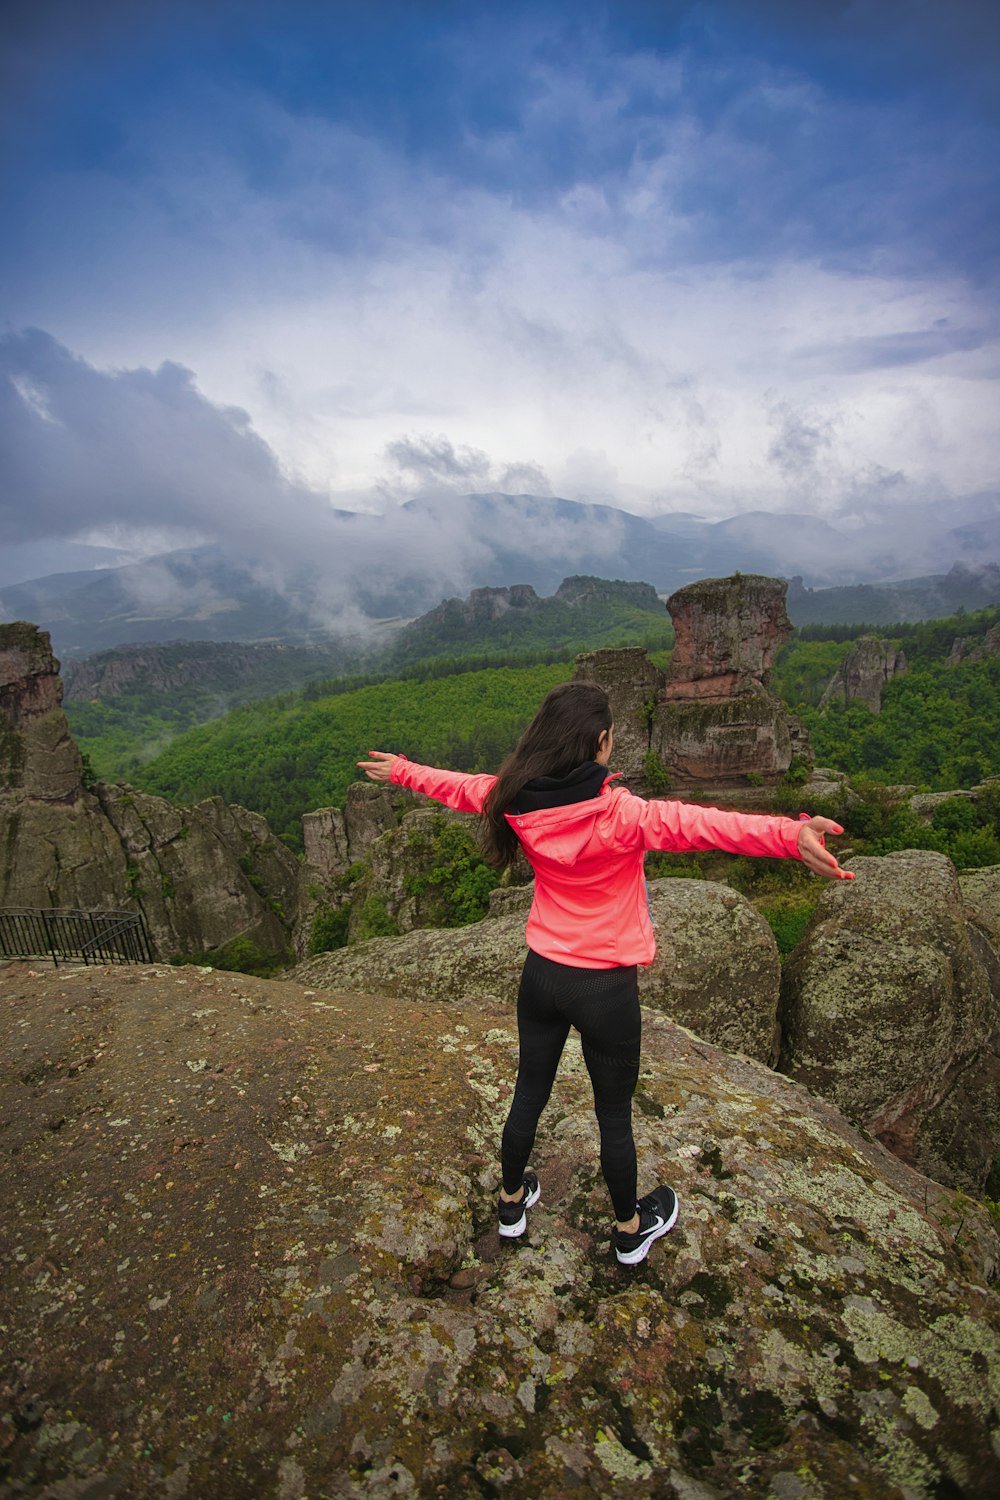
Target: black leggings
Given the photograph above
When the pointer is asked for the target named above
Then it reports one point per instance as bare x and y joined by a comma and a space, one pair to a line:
603, 1005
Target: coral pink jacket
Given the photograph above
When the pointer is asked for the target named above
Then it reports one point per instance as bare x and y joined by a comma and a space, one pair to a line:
590, 907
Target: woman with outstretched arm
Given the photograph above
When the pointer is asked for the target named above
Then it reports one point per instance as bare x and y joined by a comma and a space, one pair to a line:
589, 926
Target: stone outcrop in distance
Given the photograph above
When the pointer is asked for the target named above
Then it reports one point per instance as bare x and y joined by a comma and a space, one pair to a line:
863, 674
710, 723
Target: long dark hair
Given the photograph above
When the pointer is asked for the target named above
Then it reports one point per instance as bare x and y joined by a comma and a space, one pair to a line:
563, 734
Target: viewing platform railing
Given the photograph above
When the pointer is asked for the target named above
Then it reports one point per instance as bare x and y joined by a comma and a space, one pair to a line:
90, 937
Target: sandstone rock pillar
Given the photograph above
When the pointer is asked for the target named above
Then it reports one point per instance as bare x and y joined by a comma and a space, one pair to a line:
716, 724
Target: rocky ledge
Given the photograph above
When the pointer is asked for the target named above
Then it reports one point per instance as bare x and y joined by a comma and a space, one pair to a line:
251, 1250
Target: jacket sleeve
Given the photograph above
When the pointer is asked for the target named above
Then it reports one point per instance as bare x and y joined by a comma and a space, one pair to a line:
679, 826
455, 789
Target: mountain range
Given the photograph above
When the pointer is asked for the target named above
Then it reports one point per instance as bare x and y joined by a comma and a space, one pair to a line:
366, 574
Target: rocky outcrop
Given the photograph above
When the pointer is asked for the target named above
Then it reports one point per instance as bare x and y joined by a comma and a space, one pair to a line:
227, 669
482, 606
583, 589
710, 724
962, 650
256, 1254
716, 970
38, 758
729, 631
717, 724
633, 684
862, 676
204, 878
887, 1010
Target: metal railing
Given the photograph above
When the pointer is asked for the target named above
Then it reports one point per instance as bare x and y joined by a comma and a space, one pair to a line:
91, 937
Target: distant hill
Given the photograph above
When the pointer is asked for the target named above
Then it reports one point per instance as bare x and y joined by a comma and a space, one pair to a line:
964, 587
402, 564
230, 670
584, 613
127, 704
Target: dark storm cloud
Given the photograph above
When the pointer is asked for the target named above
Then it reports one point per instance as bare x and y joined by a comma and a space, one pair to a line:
86, 449
83, 447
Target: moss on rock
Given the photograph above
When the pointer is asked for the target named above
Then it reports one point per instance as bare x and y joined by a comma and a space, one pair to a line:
252, 1250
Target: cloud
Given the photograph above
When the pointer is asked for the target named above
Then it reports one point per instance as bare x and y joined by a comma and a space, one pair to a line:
435, 460
424, 463
560, 232
142, 459
140, 447
800, 439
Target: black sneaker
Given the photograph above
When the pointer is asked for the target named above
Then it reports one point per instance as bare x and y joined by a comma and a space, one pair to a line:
657, 1213
513, 1219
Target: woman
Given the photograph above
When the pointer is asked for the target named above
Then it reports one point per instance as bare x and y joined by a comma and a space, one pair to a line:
589, 926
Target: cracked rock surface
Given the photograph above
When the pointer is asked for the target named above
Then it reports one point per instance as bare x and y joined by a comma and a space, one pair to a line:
250, 1250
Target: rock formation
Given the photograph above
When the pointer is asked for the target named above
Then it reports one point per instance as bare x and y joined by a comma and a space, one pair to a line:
204, 877
38, 758
633, 684
711, 724
989, 645
729, 631
253, 1253
717, 723
888, 1010
862, 676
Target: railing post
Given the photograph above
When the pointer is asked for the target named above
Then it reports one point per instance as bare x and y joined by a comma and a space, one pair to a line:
48, 939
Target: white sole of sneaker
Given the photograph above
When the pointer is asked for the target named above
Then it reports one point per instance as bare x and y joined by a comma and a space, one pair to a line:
514, 1231
633, 1257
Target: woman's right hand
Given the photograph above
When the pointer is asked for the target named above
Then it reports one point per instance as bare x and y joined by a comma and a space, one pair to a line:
379, 767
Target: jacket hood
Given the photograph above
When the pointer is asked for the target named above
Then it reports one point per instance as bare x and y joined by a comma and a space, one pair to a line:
562, 833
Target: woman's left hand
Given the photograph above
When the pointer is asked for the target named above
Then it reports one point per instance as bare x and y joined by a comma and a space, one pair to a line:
379, 768
813, 853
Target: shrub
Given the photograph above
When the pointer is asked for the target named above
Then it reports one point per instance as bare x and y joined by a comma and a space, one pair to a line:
788, 916
654, 772
329, 929
375, 920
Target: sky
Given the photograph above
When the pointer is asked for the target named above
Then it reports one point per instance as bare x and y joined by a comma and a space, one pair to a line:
714, 256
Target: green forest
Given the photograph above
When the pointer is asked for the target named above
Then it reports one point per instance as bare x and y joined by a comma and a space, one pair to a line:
282, 758
939, 729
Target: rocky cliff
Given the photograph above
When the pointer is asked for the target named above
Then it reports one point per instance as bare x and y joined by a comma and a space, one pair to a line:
710, 724
222, 667
863, 674
206, 878
253, 1252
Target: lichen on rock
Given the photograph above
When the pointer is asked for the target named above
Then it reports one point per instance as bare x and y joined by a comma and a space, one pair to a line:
279, 1274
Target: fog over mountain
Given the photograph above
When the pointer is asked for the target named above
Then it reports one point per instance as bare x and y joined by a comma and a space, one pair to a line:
355, 570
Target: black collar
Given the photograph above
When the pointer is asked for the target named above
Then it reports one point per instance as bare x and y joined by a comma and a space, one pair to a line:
580, 785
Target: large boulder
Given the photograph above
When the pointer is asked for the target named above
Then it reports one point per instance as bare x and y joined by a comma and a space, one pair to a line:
253, 1251
716, 970
887, 1011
